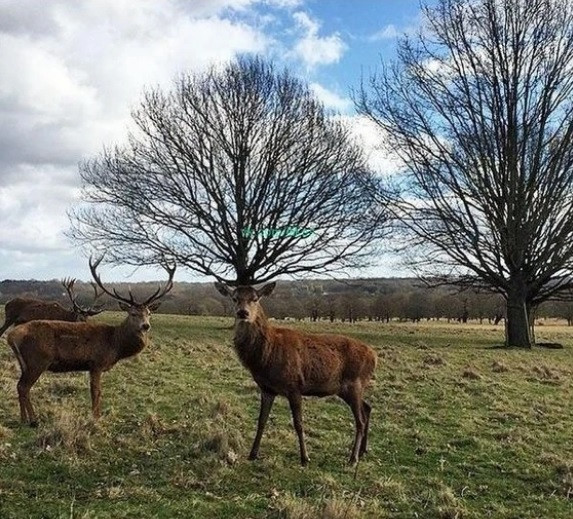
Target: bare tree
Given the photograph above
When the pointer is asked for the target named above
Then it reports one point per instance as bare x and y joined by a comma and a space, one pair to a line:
479, 109
237, 173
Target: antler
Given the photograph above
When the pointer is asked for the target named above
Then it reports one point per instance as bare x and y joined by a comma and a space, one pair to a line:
93, 267
93, 309
68, 284
159, 293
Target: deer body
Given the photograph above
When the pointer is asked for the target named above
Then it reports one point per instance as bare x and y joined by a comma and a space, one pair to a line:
293, 364
285, 360
23, 310
76, 346
20, 310
60, 346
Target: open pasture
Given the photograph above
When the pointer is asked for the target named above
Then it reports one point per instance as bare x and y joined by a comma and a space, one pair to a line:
459, 429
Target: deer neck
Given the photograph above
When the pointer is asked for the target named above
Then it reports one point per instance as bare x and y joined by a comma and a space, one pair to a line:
128, 341
252, 340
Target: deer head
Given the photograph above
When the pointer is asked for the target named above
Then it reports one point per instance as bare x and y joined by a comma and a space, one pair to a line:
246, 299
138, 312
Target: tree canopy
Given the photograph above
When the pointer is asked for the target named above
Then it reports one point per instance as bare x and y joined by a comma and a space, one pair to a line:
478, 108
237, 172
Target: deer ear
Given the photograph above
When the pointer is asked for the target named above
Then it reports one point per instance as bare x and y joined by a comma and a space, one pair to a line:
124, 306
223, 289
267, 289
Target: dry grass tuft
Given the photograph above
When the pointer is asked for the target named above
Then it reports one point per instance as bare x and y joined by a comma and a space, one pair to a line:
292, 507
544, 372
5, 433
153, 427
471, 374
226, 442
221, 408
342, 508
186, 479
433, 360
448, 505
390, 490
68, 429
563, 470
64, 386
499, 367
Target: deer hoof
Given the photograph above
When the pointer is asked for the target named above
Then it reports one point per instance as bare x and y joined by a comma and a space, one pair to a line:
34, 423
253, 456
305, 461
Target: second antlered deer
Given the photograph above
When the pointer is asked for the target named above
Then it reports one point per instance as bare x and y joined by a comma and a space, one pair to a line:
96, 347
22, 310
293, 364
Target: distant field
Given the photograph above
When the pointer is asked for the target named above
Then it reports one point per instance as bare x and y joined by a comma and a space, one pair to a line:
458, 430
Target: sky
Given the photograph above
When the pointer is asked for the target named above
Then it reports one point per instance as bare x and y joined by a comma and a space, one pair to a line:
72, 70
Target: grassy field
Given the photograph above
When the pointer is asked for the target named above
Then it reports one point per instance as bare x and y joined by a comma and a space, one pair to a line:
459, 429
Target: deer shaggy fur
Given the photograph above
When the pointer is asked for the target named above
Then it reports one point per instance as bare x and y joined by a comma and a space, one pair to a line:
293, 364
23, 310
19, 310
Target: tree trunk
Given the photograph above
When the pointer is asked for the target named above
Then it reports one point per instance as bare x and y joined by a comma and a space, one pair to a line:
518, 332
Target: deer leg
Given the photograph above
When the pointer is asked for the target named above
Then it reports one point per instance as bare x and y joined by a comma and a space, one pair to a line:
366, 408
23, 392
267, 400
95, 389
27, 380
295, 401
353, 397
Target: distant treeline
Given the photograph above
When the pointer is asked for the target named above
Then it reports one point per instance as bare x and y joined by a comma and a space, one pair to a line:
383, 299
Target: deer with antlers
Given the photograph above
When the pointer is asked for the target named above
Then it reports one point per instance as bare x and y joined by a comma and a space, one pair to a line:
294, 364
22, 310
96, 347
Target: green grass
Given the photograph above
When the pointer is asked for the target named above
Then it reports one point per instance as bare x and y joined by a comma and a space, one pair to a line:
459, 430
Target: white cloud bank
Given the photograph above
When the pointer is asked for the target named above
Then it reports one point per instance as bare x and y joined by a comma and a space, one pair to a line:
313, 49
331, 99
71, 71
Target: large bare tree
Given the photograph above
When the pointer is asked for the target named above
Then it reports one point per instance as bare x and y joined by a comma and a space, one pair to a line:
237, 172
478, 107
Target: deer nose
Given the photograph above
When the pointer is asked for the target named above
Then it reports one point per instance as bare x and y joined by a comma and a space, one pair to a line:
145, 327
242, 314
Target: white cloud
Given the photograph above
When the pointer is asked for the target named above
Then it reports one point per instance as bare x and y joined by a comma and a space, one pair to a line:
331, 99
70, 72
389, 32
371, 138
42, 84
29, 221
314, 49
285, 4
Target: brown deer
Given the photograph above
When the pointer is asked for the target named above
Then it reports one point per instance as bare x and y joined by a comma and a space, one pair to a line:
96, 347
293, 364
21, 310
